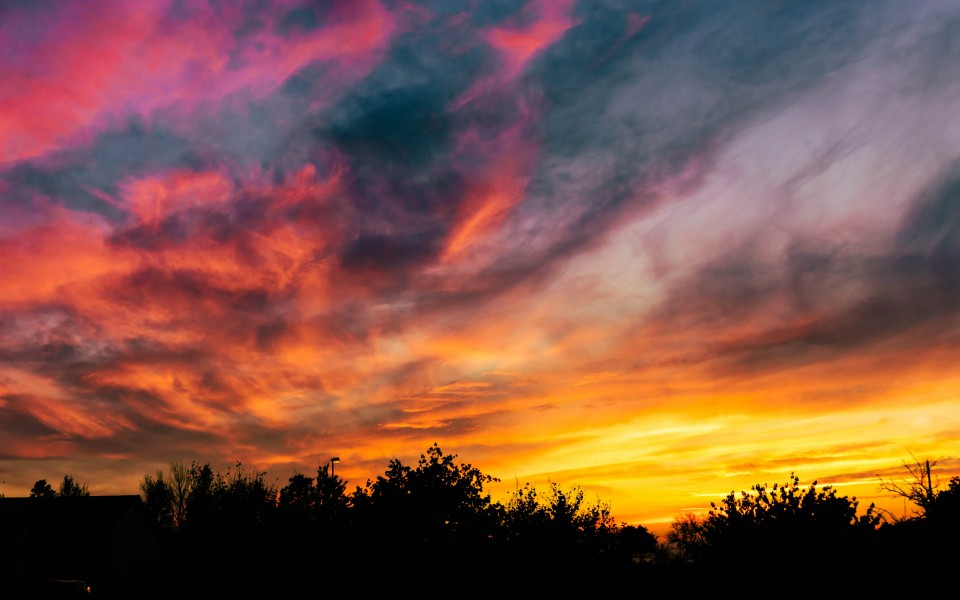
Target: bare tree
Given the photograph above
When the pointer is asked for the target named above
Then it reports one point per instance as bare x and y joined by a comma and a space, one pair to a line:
921, 487
180, 485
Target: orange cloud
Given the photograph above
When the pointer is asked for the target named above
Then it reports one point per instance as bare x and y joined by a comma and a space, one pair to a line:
493, 191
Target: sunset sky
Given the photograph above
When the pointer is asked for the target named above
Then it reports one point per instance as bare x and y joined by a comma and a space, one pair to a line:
658, 250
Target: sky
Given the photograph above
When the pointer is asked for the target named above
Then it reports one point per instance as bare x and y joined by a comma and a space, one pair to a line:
656, 250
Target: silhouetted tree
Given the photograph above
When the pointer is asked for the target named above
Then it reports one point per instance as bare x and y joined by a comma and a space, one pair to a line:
170, 498
313, 525
243, 496
298, 498
331, 500
158, 501
199, 505
198, 498
180, 483
438, 509
636, 543
562, 516
440, 499
560, 532
219, 520
42, 489
69, 488
947, 505
688, 536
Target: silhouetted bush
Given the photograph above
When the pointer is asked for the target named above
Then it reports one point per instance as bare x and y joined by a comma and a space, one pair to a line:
772, 532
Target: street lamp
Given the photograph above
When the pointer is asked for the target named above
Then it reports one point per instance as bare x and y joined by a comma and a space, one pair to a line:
333, 461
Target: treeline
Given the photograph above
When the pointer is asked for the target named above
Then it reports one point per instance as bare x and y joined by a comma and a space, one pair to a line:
434, 527
430, 526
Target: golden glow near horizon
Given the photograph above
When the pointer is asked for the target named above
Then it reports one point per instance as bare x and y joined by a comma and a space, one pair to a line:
642, 254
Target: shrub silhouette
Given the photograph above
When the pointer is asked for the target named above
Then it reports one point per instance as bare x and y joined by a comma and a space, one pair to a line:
773, 531
561, 519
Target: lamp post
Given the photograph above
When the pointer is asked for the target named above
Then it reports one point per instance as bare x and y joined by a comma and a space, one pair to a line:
333, 461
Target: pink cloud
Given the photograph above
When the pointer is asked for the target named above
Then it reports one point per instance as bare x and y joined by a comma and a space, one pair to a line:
86, 63
518, 45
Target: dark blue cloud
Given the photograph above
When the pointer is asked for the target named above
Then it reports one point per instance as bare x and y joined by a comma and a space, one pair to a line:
74, 177
378, 252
